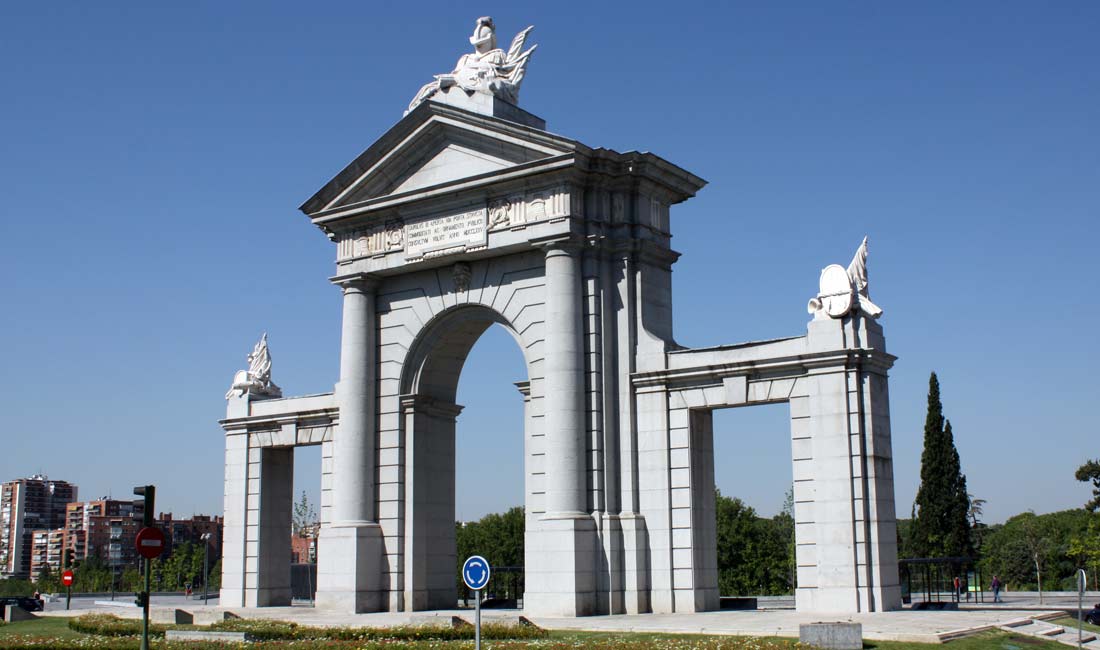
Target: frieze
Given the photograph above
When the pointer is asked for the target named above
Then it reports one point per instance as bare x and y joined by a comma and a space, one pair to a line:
453, 233
368, 242
532, 207
502, 213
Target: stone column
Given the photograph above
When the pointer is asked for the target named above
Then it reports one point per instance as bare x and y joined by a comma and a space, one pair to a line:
353, 451
562, 579
566, 468
350, 575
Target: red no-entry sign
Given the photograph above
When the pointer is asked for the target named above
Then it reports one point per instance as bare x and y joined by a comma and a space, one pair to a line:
67, 578
149, 543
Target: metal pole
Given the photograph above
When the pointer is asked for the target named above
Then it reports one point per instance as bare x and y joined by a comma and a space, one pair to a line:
1082, 580
205, 570
477, 619
145, 609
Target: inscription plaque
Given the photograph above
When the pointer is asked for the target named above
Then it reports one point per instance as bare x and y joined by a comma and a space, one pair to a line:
443, 235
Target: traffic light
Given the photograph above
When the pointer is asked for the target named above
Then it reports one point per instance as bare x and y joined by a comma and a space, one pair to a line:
141, 598
143, 507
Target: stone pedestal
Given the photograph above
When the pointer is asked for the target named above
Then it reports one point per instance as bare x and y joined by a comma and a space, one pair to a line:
561, 581
350, 566
831, 636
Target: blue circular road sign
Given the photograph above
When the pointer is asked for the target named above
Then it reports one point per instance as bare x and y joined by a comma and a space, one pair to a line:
475, 572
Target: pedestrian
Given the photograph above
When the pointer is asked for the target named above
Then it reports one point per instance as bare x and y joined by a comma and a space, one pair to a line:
958, 589
996, 587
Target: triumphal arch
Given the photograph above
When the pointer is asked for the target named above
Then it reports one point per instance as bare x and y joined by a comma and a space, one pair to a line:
467, 213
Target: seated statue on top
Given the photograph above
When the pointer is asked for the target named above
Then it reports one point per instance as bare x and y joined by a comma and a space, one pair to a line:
257, 379
487, 69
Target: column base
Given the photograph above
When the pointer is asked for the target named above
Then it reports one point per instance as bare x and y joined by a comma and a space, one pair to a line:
351, 571
635, 564
560, 576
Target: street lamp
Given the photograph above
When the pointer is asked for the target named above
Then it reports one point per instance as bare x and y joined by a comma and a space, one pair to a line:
205, 537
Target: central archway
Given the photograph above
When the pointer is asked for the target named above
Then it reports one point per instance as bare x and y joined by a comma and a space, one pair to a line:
429, 414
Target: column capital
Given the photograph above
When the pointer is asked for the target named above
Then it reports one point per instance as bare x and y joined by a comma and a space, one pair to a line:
430, 406
560, 246
358, 282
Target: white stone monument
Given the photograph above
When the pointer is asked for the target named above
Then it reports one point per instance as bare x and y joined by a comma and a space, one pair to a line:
468, 213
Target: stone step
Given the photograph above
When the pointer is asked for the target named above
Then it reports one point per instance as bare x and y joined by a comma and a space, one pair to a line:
1018, 623
1070, 636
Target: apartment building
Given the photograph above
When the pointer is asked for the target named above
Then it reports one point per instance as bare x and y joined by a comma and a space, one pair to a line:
27, 505
191, 530
47, 552
92, 526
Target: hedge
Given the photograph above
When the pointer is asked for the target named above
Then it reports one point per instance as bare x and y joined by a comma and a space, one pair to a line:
271, 630
113, 626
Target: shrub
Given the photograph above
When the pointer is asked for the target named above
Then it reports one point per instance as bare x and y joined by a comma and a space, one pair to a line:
111, 625
286, 631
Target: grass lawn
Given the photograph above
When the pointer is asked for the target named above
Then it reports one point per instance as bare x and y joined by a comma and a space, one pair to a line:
565, 640
991, 640
1071, 622
55, 626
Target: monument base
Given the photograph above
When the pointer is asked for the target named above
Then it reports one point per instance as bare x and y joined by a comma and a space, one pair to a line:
561, 570
350, 576
487, 104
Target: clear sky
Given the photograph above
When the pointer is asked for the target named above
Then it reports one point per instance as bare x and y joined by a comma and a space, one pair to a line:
153, 155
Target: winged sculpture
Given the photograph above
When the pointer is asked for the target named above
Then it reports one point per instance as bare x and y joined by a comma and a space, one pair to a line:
844, 289
487, 69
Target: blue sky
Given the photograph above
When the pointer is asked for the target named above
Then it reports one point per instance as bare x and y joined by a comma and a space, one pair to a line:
153, 156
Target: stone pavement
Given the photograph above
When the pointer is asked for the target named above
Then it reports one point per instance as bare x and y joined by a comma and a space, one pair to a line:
903, 625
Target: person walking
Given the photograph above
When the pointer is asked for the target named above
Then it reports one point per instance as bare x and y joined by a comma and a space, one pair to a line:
996, 587
958, 591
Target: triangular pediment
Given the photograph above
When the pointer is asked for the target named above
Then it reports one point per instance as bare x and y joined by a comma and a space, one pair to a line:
435, 146
454, 161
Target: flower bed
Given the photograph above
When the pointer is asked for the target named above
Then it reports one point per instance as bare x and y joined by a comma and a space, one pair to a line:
283, 630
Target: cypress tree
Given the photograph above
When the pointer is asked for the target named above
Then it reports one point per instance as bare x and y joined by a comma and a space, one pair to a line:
940, 527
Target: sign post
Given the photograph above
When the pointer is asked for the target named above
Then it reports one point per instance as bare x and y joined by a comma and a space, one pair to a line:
475, 573
67, 580
150, 544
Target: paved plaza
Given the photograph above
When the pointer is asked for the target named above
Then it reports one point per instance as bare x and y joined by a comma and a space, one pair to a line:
902, 625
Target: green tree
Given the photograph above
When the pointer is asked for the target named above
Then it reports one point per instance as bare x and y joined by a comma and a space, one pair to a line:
784, 521
304, 519
1084, 548
496, 537
47, 581
974, 514
215, 576
1090, 471
1038, 545
753, 552
941, 525
1028, 548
